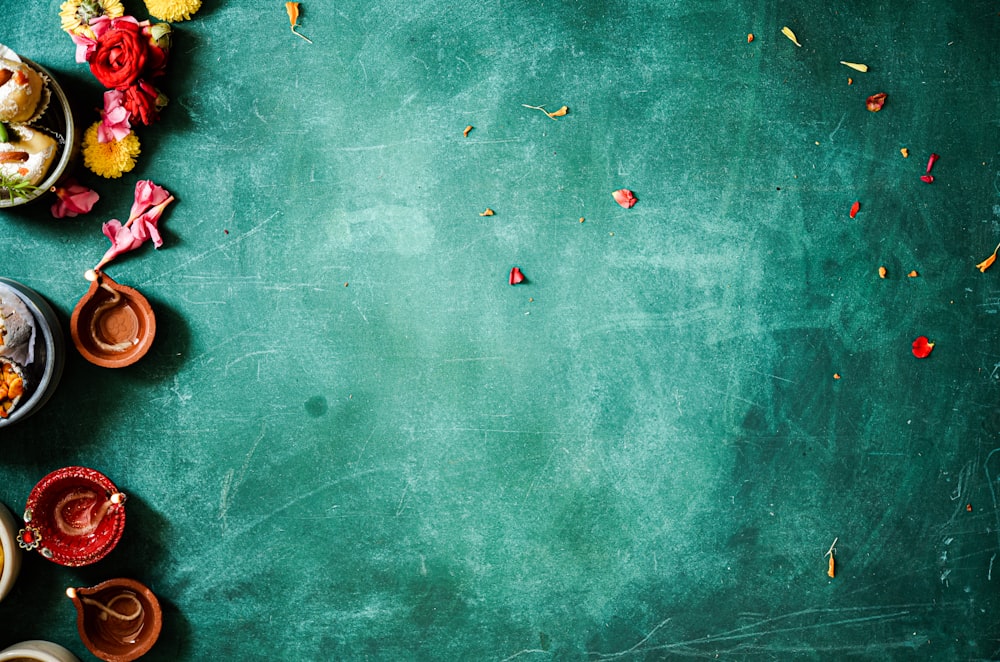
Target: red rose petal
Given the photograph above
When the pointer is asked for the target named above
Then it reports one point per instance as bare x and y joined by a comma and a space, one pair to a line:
922, 347
624, 197
927, 178
854, 209
875, 102
516, 276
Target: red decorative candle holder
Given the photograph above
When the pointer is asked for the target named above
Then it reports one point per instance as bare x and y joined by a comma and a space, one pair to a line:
74, 517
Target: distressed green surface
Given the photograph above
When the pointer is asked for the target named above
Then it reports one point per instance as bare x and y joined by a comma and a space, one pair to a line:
353, 440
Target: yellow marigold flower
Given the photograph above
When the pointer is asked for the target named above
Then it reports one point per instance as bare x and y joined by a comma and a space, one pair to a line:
76, 14
172, 10
112, 158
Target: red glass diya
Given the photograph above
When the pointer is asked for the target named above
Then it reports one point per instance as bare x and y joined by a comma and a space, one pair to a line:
74, 517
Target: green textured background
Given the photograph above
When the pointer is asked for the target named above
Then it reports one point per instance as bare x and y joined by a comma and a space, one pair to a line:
353, 439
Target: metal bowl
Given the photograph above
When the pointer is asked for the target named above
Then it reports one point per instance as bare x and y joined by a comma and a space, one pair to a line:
57, 121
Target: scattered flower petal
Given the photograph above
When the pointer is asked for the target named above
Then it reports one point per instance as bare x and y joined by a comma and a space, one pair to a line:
516, 276
912, 274
488, 212
73, 200
922, 347
875, 102
905, 152
624, 197
465, 134
293, 17
147, 194
854, 209
854, 65
882, 271
928, 178
791, 35
988, 262
750, 38
150, 201
558, 113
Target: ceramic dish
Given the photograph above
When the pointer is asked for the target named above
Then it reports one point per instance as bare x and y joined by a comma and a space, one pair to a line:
119, 620
46, 369
74, 516
57, 121
37, 650
10, 561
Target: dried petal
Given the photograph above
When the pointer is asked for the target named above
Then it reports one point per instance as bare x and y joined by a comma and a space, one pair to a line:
922, 347
558, 113
749, 37
293, 12
488, 212
850, 81
857, 67
905, 152
882, 272
624, 197
988, 262
791, 35
876, 101
912, 274
854, 209
465, 133
516, 276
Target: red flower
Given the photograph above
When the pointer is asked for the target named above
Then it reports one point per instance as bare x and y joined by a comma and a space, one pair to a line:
140, 102
922, 347
624, 197
120, 55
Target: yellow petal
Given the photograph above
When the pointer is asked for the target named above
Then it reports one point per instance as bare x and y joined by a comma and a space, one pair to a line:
558, 113
857, 67
791, 35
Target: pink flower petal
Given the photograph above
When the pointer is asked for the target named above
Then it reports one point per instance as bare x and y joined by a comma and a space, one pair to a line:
147, 194
927, 178
122, 241
516, 276
624, 197
74, 199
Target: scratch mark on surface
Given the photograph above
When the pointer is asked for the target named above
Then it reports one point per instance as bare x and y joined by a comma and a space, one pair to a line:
401, 506
993, 492
839, 124
229, 489
526, 651
249, 356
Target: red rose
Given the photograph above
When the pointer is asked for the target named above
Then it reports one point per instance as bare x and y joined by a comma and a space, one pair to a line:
140, 102
120, 55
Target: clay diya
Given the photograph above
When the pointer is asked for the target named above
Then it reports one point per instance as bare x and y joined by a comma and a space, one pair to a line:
119, 620
75, 516
112, 325
10, 553
32, 351
36, 650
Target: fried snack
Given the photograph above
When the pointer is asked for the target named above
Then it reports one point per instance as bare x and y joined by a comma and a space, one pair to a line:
21, 89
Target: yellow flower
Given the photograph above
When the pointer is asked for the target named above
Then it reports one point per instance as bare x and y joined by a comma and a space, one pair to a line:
172, 10
76, 14
112, 158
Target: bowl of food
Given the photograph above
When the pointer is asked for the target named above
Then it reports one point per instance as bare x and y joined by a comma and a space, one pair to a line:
10, 553
37, 131
32, 351
36, 650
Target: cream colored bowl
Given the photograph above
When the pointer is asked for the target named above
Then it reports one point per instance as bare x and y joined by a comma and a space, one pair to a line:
11, 552
37, 650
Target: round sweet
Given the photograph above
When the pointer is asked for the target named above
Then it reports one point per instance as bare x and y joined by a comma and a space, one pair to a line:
20, 91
